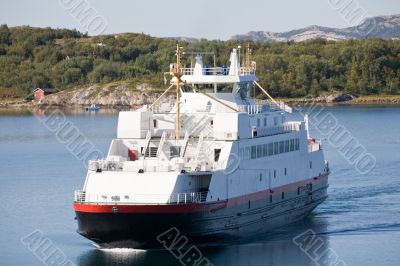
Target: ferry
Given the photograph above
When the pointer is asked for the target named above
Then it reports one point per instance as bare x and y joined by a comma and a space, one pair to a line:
211, 164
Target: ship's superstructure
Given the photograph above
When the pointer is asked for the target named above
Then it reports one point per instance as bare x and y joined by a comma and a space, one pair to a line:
213, 164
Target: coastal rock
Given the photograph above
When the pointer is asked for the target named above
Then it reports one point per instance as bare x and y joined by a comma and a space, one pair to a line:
105, 96
339, 98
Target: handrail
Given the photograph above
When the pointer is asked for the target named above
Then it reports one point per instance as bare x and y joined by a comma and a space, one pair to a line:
161, 144
185, 142
200, 143
174, 198
146, 143
218, 71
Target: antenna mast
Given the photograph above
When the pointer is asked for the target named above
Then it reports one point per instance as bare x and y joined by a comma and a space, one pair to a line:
248, 53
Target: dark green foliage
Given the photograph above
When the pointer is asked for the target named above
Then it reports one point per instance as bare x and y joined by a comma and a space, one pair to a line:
61, 58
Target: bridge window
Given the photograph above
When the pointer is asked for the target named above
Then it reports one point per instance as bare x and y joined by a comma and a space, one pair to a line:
204, 86
259, 151
175, 151
281, 146
253, 152
224, 87
287, 148
270, 149
217, 152
265, 150
276, 148
155, 124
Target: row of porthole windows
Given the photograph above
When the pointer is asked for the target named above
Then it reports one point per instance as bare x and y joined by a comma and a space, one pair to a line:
269, 149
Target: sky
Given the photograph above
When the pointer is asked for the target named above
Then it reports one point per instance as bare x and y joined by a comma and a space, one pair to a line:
211, 19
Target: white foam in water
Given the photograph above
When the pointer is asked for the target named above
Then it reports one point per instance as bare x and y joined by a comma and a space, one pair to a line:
122, 250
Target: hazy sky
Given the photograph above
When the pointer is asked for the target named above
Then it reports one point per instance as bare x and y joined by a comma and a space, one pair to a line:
213, 19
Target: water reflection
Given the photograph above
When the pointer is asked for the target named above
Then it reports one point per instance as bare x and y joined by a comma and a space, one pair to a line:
276, 248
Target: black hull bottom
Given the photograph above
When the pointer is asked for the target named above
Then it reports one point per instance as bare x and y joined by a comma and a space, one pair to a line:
142, 230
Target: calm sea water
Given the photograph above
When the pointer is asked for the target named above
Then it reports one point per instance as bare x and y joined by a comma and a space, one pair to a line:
359, 224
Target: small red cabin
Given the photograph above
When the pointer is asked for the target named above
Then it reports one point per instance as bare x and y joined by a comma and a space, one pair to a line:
39, 93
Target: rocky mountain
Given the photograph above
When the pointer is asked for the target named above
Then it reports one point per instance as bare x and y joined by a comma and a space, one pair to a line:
387, 27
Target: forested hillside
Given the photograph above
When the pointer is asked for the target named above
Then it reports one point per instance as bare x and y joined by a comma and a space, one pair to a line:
61, 58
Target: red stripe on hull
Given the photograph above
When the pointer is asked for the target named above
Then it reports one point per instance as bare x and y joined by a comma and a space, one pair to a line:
194, 207
162, 208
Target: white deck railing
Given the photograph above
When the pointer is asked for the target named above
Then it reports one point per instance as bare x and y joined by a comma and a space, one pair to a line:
264, 108
219, 71
285, 128
130, 199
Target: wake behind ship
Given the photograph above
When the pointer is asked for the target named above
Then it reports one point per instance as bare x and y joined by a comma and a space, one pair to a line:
213, 164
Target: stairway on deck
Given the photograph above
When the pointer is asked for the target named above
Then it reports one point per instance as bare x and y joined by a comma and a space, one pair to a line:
151, 151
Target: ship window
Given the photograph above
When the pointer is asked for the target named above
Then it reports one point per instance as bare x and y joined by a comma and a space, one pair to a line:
247, 153
276, 148
174, 151
265, 121
265, 150
155, 124
207, 87
260, 177
241, 154
270, 198
285, 171
212, 122
297, 144
270, 149
287, 148
224, 87
217, 152
275, 120
283, 195
253, 152
281, 146
310, 164
249, 204
292, 145
274, 173
259, 151
258, 122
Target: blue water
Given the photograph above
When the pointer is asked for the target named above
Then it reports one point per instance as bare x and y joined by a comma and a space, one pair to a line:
360, 222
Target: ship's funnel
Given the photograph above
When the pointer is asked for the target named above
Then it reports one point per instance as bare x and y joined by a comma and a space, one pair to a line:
235, 64
198, 67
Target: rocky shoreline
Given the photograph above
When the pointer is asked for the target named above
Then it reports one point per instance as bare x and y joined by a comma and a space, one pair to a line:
122, 97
